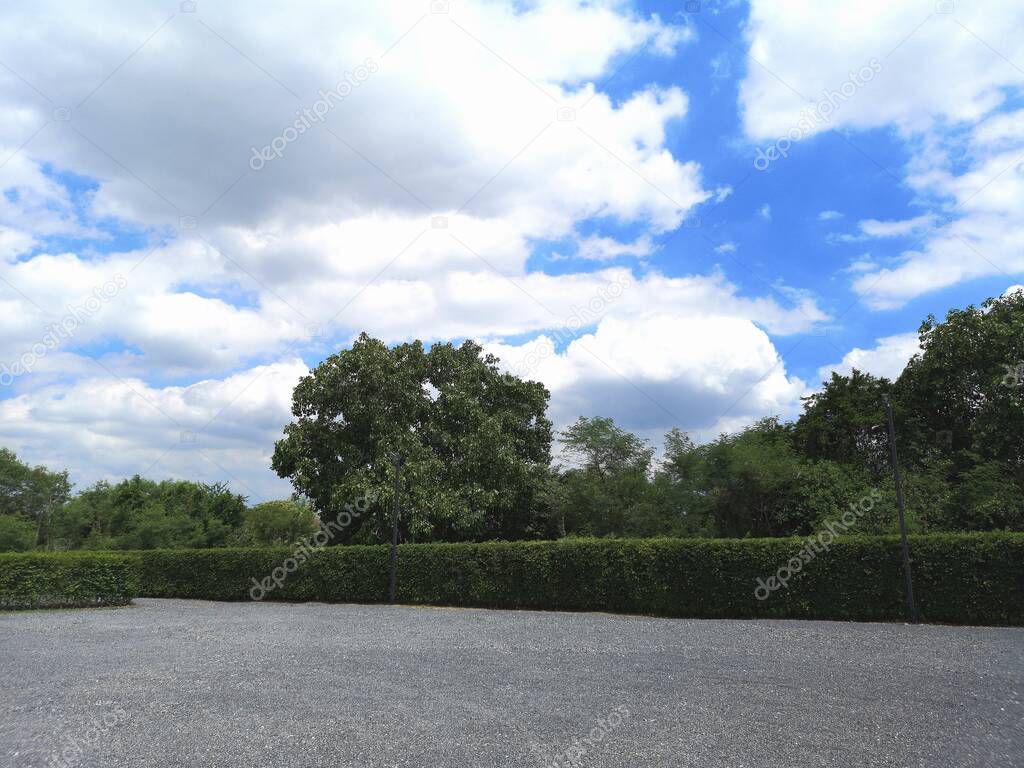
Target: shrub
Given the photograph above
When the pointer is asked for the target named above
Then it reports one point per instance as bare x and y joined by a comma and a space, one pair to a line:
958, 578
67, 579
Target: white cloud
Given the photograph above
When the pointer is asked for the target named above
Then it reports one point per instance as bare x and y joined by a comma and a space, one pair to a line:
703, 373
102, 427
937, 75
596, 248
726, 248
887, 358
934, 66
862, 264
173, 129
475, 138
876, 228
829, 215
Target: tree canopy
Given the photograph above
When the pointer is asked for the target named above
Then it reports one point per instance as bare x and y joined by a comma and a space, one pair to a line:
473, 441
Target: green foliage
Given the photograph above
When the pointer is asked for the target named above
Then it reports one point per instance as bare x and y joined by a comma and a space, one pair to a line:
963, 579
143, 514
31, 493
601, 447
16, 534
278, 522
845, 423
961, 393
987, 498
67, 579
755, 483
608, 493
473, 440
333, 574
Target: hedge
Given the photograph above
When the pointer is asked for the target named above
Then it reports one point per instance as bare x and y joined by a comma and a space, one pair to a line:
958, 578
67, 579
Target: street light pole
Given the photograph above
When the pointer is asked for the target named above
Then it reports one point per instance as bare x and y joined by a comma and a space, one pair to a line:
394, 529
899, 506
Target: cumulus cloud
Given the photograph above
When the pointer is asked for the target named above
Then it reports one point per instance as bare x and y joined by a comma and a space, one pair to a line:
934, 65
703, 373
902, 228
596, 248
942, 81
104, 427
887, 358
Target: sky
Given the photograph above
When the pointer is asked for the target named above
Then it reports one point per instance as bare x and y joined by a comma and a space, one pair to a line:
674, 214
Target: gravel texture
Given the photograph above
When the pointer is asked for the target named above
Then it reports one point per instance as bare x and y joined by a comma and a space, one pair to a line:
186, 683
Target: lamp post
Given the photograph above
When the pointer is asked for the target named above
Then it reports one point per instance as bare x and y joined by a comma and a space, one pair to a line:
899, 506
397, 459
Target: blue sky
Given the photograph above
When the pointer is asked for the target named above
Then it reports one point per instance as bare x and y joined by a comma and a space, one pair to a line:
575, 185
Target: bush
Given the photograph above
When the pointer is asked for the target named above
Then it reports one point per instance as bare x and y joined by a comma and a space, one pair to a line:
958, 578
67, 579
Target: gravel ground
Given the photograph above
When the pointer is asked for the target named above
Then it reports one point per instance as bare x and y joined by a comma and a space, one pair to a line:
186, 683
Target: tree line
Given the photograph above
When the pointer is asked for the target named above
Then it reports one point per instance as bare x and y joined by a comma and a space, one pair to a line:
477, 463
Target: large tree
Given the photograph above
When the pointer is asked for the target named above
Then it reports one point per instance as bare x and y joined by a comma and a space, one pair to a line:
475, 441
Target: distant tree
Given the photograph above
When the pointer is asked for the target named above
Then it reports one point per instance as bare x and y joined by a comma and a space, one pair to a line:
17, 534
31, 493
755, 483
679, 489
278, 522
143, 514
474, 441
844, 422
608, 489
598, 445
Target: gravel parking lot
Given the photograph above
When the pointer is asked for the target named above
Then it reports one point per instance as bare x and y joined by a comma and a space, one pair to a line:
186, 683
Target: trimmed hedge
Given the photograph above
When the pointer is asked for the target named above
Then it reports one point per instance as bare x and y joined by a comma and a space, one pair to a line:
958, 578
67, 579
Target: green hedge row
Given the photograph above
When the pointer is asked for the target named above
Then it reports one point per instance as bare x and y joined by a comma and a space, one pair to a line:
67, 579
958, 578
962, 579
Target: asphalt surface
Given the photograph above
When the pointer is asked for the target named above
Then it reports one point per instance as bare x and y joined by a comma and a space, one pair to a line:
186, 683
